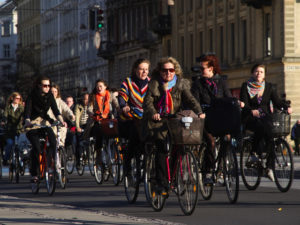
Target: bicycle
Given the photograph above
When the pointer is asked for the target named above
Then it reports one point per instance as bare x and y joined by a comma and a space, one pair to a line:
182, 176
46, 167
281, 157
14, 165
70, 154
226, 169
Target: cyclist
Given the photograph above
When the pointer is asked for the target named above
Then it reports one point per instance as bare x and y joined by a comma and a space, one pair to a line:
81, 118
131, 98
13, 115
39, 101
64, 110
257, 94
208, 86
167, 92
99, 109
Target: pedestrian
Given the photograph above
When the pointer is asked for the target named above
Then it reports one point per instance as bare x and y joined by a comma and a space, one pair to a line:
295, 135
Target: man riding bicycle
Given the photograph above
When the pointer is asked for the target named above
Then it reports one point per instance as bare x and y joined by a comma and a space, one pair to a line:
39, 101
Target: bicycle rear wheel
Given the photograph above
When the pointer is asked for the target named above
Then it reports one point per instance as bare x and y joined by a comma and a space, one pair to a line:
231, 174
250, 172
283, 165
70, 161
50, 177
206, 190
187, 181
131, 182
157, 201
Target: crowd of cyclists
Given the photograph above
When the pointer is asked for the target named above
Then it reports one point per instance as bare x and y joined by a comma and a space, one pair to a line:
139, 106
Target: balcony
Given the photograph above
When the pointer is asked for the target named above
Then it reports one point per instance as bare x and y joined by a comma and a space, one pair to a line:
257, 4
107, 50
162, 25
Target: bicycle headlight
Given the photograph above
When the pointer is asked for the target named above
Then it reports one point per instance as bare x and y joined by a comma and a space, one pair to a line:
187, 121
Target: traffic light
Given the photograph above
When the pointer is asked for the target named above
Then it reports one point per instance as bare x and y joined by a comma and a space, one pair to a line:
100, 19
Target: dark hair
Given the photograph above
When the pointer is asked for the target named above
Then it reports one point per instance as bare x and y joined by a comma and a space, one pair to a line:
39, 80
212, 61
57, 88
137, 63
100, 81
259, 65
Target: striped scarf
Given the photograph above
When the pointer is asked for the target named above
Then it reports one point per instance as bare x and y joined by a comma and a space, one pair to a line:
254, 87
134, 96
165, 104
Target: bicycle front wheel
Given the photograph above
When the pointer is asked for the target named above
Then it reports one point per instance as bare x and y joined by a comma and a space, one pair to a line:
283, 165
98, 168
115, 162
250, 171
231, 174
61, 168
91, 158
131, 182
70, 161
187, 181
50, 177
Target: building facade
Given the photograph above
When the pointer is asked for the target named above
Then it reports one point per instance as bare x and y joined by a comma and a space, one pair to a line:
241, 33
135, 30
8, 45
29, 47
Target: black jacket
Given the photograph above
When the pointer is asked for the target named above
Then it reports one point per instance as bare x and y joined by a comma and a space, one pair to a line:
204, 95
38, 106
252, 103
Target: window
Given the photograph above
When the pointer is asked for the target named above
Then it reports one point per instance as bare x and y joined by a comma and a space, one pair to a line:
5, 28
221, 44
210, 38
191, 5
232, 38
201, 42
6, 71
191, 49
267, 34
182, 50
244, 39
6, 51
169, 47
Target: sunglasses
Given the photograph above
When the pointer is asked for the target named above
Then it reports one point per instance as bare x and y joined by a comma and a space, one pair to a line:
46, 85
17, 98
171, 70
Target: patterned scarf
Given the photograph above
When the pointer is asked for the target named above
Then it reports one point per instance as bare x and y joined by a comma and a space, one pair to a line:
254, 87
165, 104
212, 85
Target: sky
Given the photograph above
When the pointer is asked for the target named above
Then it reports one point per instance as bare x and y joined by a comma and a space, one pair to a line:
2, 1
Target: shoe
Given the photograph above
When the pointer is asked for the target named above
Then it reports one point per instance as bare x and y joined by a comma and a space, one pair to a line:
208, 179
270, 174
34, 179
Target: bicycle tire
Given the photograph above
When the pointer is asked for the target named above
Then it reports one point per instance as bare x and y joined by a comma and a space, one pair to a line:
283, 165
132, 182
231, 174
91, 162
187, 182
0, 162
61, 172
115, 163
17, 166
80, 166
70, 161
157, 201
206, 190
251, 173
50, 176
98, 168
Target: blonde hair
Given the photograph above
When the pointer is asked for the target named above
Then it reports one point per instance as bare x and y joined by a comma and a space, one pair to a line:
163, 61
12, 96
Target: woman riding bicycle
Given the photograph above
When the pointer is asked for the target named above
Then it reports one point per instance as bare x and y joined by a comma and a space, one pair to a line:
98, 110
13, 116
131, 98
257, 94
205, 89
39, 101
168, 91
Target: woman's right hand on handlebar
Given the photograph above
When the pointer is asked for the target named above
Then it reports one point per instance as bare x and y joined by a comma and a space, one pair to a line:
156, 117
126, 109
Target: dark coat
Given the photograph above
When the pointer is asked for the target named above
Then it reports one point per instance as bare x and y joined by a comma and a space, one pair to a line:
14, 120
204, 95
37, 105
269, 94
180, 94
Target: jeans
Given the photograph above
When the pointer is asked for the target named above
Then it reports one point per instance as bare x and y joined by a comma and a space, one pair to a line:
8, 148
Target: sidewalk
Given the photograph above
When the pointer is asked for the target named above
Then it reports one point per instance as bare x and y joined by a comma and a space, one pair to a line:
23, 211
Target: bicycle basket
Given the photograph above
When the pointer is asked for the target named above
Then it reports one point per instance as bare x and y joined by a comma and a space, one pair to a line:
109, 127
186, 132
281, 124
